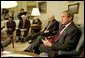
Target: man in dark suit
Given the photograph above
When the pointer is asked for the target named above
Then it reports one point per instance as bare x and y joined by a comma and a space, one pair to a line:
23, 26
66, 39
11, 25
22, 12
49, 30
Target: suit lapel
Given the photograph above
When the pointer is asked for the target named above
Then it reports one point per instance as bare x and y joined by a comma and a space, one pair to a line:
51, 25
65, 32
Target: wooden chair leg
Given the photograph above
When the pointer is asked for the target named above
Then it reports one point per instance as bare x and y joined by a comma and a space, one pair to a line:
12, 42
2, 47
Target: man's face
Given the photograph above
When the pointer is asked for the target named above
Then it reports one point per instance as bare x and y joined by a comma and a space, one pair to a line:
10, 19
64, 18
22, 11
51, 18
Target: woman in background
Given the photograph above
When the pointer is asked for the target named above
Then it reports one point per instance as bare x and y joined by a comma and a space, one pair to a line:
11, 25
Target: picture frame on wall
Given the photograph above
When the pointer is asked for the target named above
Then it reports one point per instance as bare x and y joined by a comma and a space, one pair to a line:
74, 8
42, 7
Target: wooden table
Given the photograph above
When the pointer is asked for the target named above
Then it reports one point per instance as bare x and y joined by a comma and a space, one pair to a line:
34, 26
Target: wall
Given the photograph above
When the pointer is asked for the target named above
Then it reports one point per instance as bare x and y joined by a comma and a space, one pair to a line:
22, 4
56, 7
81, 14
53, 7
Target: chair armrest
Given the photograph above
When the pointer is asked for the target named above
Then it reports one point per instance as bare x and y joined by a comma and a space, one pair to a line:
6, 42
73, 52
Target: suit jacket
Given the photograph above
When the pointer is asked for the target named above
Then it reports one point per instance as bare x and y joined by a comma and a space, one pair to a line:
52, 28
26, 26
68, 39
11, 25
20, 14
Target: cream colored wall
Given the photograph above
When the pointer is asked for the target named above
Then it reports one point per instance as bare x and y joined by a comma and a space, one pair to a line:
81, 13
53, 7
56, 8
79, 18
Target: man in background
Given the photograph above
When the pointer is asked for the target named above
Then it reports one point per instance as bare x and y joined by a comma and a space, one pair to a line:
22, 12
23, 27
11, 25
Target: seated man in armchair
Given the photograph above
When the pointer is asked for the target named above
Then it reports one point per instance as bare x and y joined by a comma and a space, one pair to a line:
11, 25
23, 26
49, 30
66, 38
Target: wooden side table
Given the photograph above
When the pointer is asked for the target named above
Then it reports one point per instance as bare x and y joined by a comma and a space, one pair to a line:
34, 26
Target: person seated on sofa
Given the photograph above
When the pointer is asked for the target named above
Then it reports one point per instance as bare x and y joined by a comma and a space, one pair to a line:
49, 30
23, 27
11, 25
66, 38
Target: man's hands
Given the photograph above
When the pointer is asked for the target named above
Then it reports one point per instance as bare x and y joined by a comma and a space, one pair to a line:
46, 31
9, 28
22, 29
47, 42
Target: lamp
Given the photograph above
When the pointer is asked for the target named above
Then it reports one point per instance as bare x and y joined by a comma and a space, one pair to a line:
8, 4
35, 12
36, 25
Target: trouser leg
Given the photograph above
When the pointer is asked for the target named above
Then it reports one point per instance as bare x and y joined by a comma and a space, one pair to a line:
35, 44
25, 33
47, 50
22, 37
18, 34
